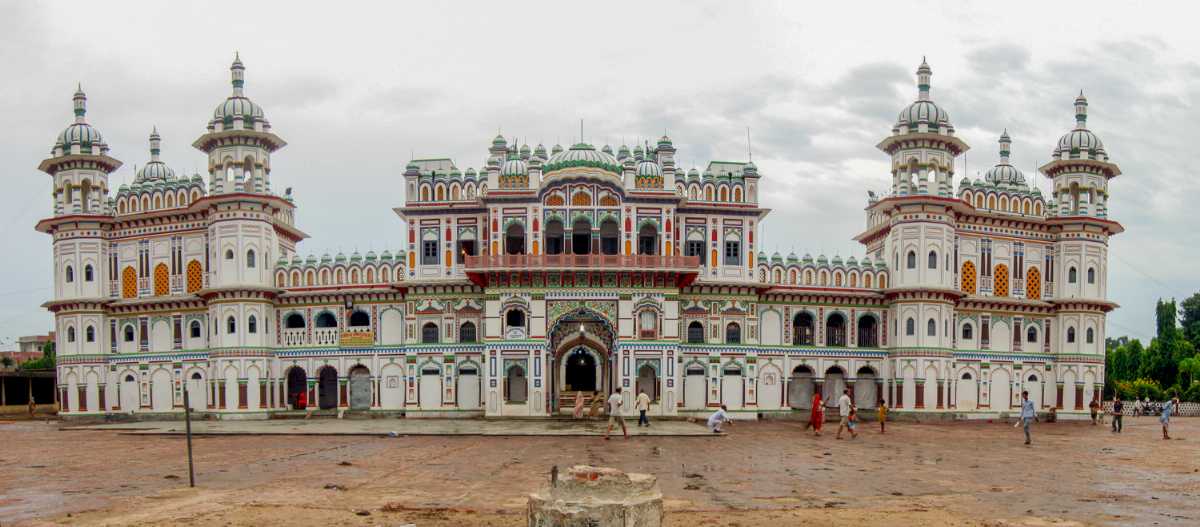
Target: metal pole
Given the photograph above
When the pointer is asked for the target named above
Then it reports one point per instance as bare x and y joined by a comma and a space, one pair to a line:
187, 413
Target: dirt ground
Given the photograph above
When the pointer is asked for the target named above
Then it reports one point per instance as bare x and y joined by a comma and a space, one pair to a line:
760, 474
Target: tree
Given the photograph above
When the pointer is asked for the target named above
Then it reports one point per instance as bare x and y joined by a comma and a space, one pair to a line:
6, 361
1191, 319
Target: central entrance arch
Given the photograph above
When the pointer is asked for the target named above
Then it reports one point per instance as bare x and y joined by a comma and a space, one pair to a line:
581, 370
581, 342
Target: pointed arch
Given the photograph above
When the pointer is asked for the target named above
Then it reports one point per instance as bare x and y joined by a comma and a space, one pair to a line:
968, 278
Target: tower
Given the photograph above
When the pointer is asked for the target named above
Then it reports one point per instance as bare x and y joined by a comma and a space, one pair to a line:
239, 142
80, 165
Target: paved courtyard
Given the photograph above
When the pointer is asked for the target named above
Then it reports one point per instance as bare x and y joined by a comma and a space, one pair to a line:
416, 427
974, 473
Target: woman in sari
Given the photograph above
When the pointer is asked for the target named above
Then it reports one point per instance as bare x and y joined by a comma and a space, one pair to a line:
578, 405
817, 416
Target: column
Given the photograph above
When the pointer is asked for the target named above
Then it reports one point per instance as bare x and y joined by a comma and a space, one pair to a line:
941, 394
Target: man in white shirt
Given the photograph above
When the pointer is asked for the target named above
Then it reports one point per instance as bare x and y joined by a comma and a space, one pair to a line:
1028, 414
844, 414
643, 406
716, 419
614, 414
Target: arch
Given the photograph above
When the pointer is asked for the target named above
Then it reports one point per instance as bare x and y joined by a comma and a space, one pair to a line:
770, 327
127, 333
1000, 287
360, 388
1072, 275
252, 325
162, 391
1033, 283
391, 387
733, 333
868, 331
129, 285
70, 333
991, 201
968, 331
360, 319
835, 330
89, 334
327, 388
555, 236
251, 261
968, 277
162, 280
195, 330
1031, 334
931, 328
325, 319
514, 238
1091, 275
695, 332
966, 390
803, 329
867, 280
69, 274
648, 239
609, 236
231, 325
430, 333
724, 193
911, 260
1090, 337
733, 384
1001, 390
581, 235
466, 332
910, 327
391, 327
801, 388
1070, 334
195, 276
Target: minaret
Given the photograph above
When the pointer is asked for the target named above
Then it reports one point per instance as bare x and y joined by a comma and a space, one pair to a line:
239, 142
80, 165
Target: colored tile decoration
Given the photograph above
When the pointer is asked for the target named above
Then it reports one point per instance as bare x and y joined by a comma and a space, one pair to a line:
1033, 284
129, 288
162, 280
968, 277
1001, 285
195, 276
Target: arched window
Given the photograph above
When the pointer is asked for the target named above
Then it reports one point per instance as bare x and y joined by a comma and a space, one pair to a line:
835, 330
360, 319
128, 333
231, 325
695, 333
514, 239
250, 259
294, 321
933, 259
70, 274
252, 325
912, 260
1091, 336
194, 329
89, 334
647, 324
931, 328
733, 333
803, 329
1070, 335
968, 332
326, 320
1072, 276
466, 332
1091, 275
88, 273
514, 318
1031, 334
228, 254
868, 332
910, 327
429, 333
71, 334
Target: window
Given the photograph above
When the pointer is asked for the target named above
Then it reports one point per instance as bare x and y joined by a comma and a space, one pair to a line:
967, 332
88, 273
1091, 336
835, 330
1072, 276
128, 333
228, 254
70, 274
911, 260
1070, 335
466, 333
931, 328
910, 327
360, 319
933, 259
326, 320
429, 333
294, 321
695, 248
868, 329
1091, 275
1031, 334
695, 333
194, 329
733, 252
71, 334
250, 259
429, 252
648, 324
231, 325
803, 329
252, 325
89, 334
514, 318
733, 333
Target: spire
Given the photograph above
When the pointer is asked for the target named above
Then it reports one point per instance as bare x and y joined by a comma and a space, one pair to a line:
155, 142
923, 74
80, 103
1081, 105
238, 74
1005, 147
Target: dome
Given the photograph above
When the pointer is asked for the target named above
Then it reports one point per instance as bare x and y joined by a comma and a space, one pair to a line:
923, 110
514, 167
155, 170
649, 168
499, 141
237, 105
1072, 143
1004, 173
583, 155
80, 132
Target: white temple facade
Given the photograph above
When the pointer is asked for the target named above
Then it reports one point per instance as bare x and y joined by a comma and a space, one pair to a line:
551, 272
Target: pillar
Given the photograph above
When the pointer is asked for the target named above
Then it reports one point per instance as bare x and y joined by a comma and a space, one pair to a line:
898, 386
941, 394
920, 394
1078, 396
1058, 402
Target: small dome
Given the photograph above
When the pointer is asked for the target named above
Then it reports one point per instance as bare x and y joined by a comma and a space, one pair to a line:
750, 168
540, 152
371, 256
923, 110
555, 150
80, 132
155, 170
499, 141
664, 142
583, 155
776, 257
649, 168
514, 167
623, 152
693, 173
606, 149
341, 257
1004, 173
1072, 144
237, 105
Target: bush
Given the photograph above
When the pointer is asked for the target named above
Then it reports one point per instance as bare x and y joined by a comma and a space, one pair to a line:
1139, 389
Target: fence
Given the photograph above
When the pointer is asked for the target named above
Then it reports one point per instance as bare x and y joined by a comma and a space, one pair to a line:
1184, 410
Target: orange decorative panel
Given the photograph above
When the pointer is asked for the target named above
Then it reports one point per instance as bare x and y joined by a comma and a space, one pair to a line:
581, 199
608, 200
968, 277
1001, 287
129, 288
195, 276
162, 280
1033, 284
554, 200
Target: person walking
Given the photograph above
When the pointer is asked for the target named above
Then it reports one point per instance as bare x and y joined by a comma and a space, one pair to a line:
643, 406
883, 411
614, 414
32, 406
816, 415
578, 405
1117, 410
1137, 407
844, 405
717, 419
1165, 418
1092, 407
597, 405
1028, 414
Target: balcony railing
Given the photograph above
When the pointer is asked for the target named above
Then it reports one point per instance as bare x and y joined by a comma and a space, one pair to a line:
500, 262
294, 337
325, 337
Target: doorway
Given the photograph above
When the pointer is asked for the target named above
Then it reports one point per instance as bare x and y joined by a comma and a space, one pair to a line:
581, 237
328, 386
360, 388
580, 372
297, 382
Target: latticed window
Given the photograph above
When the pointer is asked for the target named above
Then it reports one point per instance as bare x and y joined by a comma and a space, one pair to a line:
968, 277
195, 276
129, 286
1001, 284
1033, 284
162, 280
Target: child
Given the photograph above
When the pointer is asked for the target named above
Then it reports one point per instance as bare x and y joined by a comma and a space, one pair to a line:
883, 411
852, 421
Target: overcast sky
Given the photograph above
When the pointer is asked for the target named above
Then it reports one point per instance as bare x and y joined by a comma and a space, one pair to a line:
356, 89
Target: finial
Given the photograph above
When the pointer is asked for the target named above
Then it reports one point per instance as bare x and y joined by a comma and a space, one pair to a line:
1005, 147
80, 103
238, 74
1081, 105
924, 72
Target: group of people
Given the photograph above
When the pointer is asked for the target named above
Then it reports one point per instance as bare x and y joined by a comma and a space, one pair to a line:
615, 401
847, 413
1029, 414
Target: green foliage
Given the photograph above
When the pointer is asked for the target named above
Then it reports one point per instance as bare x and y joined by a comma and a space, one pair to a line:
1192, 394
1138, 389
46, 362
6, 361
1190, 318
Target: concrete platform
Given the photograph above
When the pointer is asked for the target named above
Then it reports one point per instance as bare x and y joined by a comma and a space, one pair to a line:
409, 427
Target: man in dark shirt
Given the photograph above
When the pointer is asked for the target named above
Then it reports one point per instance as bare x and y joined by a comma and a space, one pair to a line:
1118, 408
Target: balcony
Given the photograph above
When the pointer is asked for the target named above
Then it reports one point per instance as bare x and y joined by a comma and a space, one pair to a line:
294, 337
326, 337
582, 262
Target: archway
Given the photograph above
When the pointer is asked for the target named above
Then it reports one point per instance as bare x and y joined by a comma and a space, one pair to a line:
297, 382
800, 388
581, 341
328, 388
554, 236
647, 381
361, 395
695, 387
581, 371
514, 239
581, 237
609, 237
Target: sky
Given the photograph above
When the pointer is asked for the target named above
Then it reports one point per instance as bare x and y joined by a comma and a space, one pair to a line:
357, 89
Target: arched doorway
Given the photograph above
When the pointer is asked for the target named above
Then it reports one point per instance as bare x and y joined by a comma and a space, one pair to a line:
800, 388
468, 387
647, 381
554, 236
581, 341
868, 333
581, 236
695, 387
732, 386
966, 393
297, 382
609, 237
328, 387
130, 394
835, 382
516, 385
866, 394
648, 239
361, 395
581, 370
514, 239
